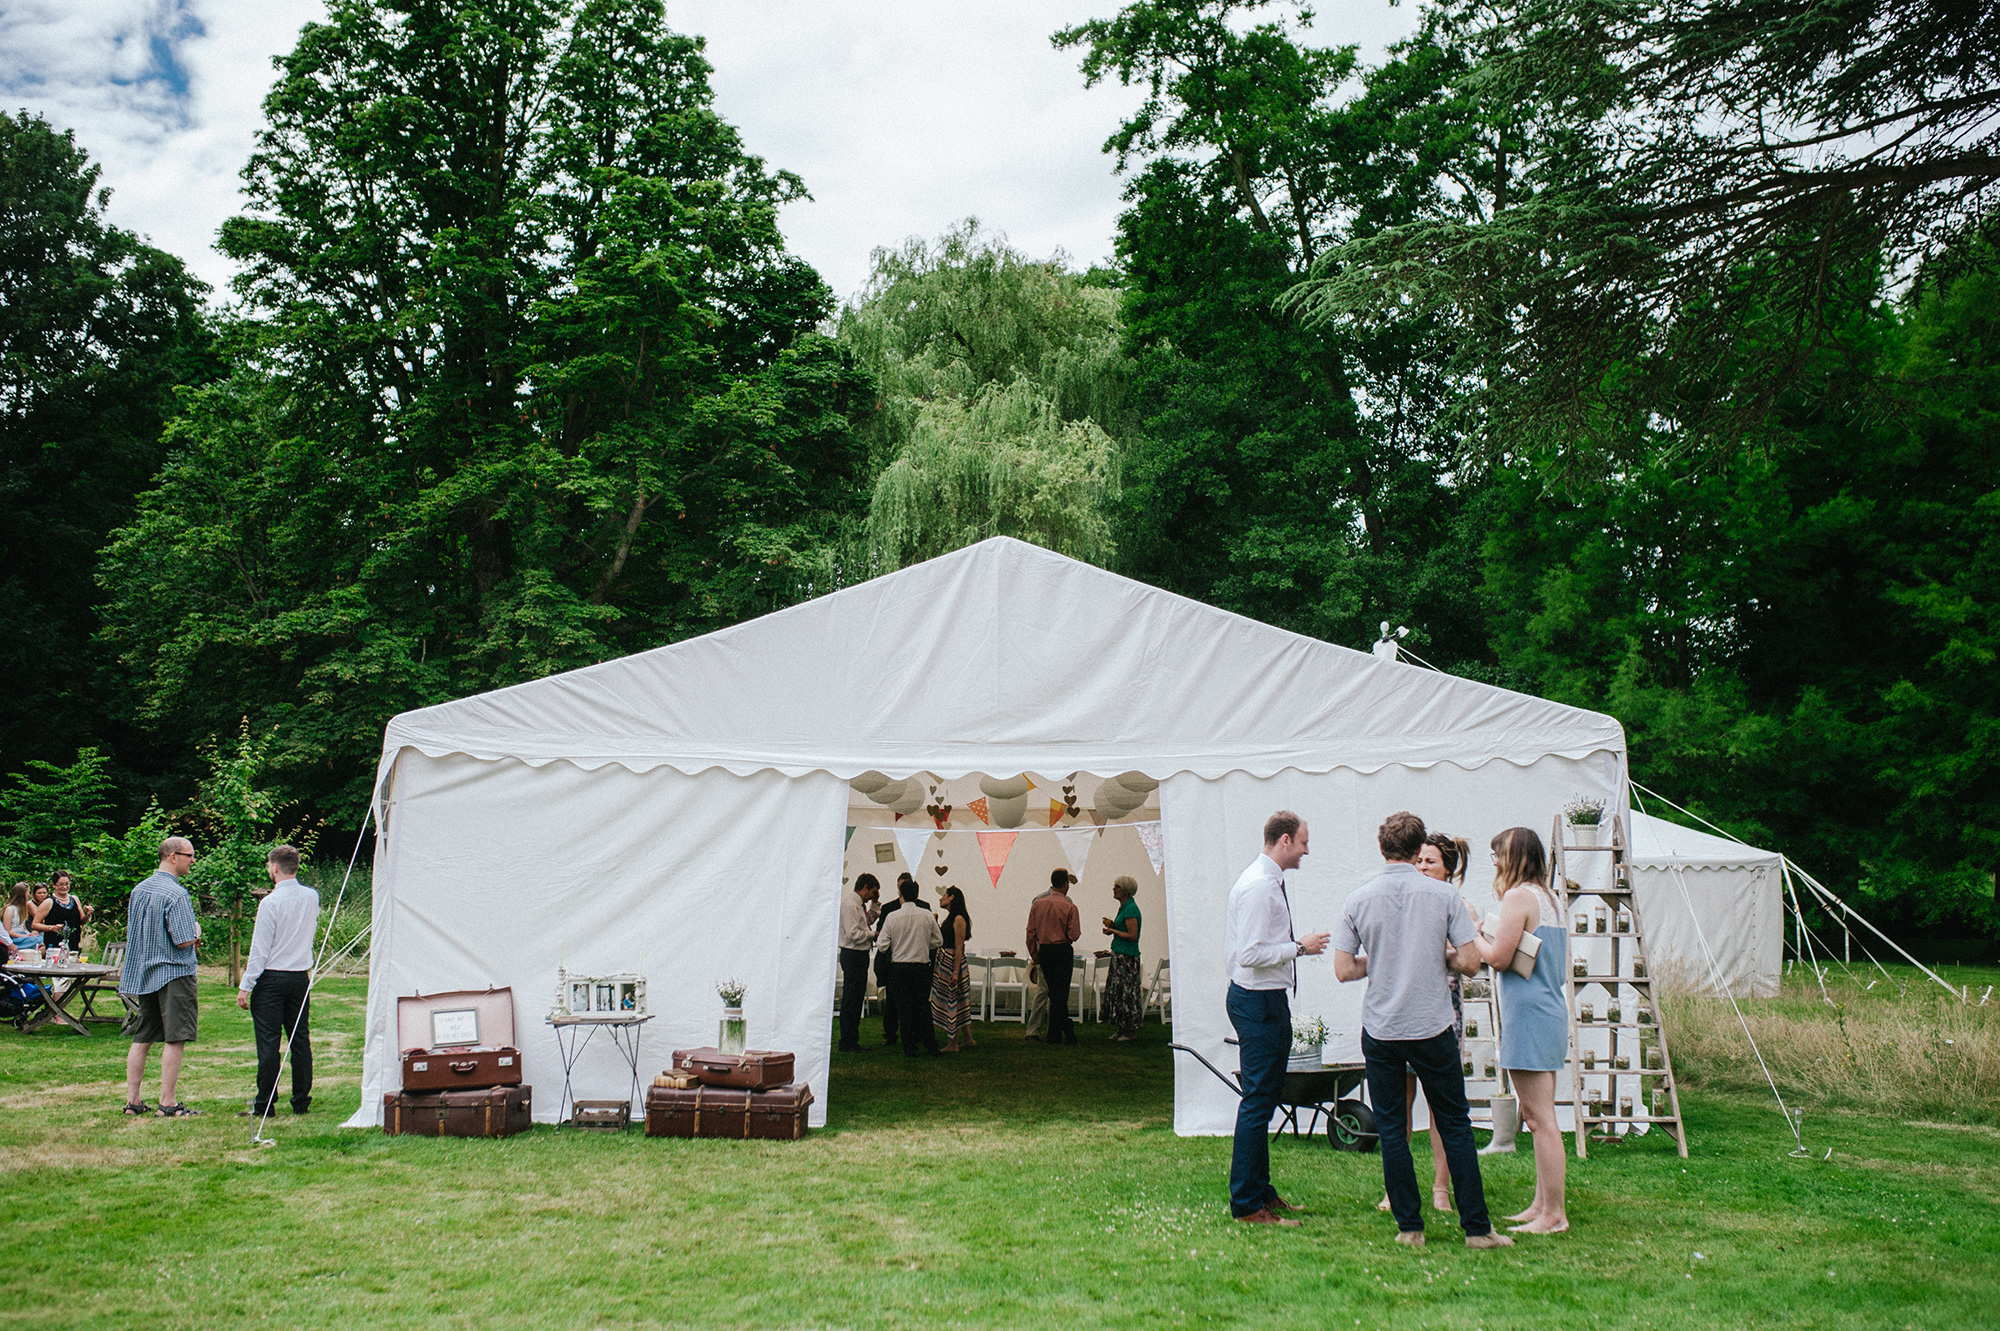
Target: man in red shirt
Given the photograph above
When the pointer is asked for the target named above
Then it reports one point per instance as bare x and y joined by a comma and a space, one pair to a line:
1053, 928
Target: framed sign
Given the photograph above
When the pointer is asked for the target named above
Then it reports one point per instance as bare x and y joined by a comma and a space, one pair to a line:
885, 852
460, 1026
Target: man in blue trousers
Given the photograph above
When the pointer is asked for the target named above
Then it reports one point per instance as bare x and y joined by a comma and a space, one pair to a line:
1261, 954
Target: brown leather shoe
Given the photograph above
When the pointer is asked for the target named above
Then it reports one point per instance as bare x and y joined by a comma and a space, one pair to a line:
1279, 1206
1262, 1216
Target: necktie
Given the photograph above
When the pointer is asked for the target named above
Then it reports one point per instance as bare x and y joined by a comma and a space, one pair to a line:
1288, 931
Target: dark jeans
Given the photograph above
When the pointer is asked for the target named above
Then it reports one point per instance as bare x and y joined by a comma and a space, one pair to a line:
853, 994
278, 1004
1436, 1064
910, 986
1057, 960
1263, 1022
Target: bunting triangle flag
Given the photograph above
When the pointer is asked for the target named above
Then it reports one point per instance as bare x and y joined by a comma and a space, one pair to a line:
911, 841
1055, 812
978, 807
1155, 841
1076, 843
996, 846
850, 838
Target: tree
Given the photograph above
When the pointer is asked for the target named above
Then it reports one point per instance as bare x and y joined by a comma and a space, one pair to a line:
50, 814
1801, 641
96, 330
999, 380
1290, 472
1721, 171
530, 382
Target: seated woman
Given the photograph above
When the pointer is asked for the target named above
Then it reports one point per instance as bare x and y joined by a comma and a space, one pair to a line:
62, 919
17, 919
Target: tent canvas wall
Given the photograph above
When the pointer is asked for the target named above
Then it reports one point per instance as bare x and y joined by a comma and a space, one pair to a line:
1736, 893
682, 811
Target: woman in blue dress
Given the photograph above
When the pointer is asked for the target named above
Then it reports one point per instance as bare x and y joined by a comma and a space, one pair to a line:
1534, 1035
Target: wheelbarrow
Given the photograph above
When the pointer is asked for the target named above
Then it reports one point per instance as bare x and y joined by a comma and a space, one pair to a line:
1326, 1092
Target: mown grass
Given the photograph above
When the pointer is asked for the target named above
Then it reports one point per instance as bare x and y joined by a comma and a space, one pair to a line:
1012, 1186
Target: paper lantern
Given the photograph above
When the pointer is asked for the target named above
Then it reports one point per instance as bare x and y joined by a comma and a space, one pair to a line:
1138, 781
1007, 812
869, 782
889, 793
1004, 787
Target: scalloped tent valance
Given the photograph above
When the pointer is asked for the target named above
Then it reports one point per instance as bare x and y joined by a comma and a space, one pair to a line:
1003, 657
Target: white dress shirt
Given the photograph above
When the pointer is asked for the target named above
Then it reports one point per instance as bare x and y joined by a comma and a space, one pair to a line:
911, 934
855, 917
1257, 943
283, 938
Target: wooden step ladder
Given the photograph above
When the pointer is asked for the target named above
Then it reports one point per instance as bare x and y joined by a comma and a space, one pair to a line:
1610, 977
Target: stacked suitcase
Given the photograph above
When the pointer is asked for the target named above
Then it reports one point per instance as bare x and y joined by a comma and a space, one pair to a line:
708, 1093
461, 1068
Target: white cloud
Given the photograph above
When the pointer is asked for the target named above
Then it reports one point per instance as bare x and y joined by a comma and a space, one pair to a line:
902, 116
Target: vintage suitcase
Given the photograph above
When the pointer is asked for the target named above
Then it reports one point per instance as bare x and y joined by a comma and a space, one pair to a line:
751, 1070
497, 1111
778, 1114
458, 1041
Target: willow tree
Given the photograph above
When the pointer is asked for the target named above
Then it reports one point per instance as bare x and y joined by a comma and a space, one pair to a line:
1000, 383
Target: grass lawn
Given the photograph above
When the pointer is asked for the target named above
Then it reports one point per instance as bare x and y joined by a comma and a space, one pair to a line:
1010, 1186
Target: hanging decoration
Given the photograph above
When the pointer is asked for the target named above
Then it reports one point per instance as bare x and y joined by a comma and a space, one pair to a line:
1153, 838
937, 808
850, 837
995, 847
1076, 843
978, 807
911, 841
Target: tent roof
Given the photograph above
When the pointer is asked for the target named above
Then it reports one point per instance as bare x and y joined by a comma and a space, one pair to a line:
1003, 657
1656, 841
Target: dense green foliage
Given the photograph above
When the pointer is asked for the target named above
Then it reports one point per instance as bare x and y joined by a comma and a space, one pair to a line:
96, 330
1587, 340
528, 381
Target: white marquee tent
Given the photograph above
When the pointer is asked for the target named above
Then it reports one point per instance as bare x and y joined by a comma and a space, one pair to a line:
682, 811
1735, 891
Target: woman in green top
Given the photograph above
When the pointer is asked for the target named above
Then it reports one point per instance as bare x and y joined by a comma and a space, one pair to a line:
1121, 989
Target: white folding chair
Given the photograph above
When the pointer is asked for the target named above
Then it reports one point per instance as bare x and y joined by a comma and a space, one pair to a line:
1160, 994
1079, 981
979, 979
1100, 976
1007, 989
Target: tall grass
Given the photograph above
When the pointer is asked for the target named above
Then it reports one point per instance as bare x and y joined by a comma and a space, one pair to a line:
1902, 1046
356, 908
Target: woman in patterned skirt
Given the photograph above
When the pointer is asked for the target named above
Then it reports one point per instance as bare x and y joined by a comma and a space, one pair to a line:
1123, 1007
951, 986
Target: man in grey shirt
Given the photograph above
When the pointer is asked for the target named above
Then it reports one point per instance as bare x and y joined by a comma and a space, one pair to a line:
1411, 929
158, 978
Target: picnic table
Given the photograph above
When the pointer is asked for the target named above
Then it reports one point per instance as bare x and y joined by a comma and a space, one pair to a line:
90, 982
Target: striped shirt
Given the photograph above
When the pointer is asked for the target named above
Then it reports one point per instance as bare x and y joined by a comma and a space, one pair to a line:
160, 919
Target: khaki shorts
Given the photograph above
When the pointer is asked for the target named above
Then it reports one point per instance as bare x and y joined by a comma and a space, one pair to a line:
167, 1014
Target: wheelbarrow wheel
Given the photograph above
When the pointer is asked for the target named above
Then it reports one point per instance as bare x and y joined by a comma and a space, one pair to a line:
1351, 1127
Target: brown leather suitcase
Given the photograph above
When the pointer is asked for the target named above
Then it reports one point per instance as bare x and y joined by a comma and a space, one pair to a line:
497, 1111
751, 1070
458, 1041
778, 1114
415, 1115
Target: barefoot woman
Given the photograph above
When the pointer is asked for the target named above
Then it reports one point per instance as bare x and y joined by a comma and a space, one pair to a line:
1534, 1039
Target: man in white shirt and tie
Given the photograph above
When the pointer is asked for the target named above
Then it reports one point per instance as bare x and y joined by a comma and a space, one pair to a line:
278, 978
857, 941
1262, 954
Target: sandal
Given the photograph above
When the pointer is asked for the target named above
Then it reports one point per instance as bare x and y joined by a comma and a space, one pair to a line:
177, 1111
138, 1109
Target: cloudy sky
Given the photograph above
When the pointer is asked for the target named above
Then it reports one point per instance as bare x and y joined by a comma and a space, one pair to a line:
901, 115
